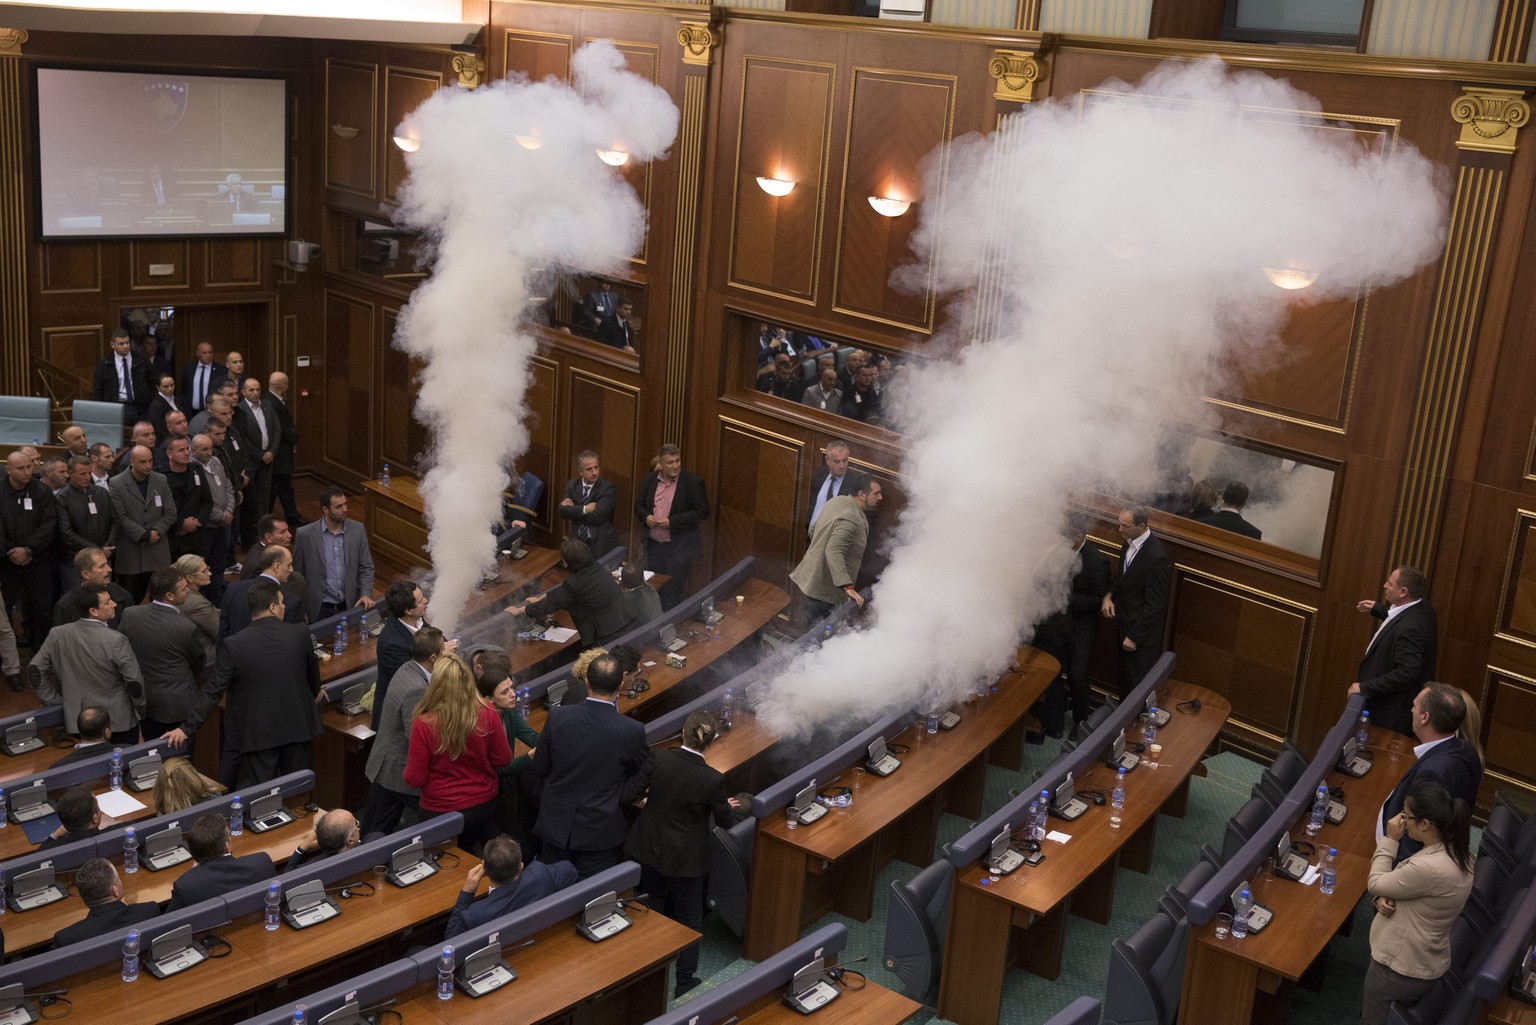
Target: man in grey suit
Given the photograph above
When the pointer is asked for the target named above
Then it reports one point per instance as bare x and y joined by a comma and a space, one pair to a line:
830, 568
144, 510
169, 653
389, 796
333, 555
89, 663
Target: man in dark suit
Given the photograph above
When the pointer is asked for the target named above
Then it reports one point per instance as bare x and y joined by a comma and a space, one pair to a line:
616, 330
407, 608
1138, 597
93, 723
256, 423
287, 440
684, 796
589, 503
335, 831
590, 594
162, 404
29, 522
217, 872
1400, 657
276, 567
79, 818
513, 885
84, 518
1230, 516
170, 653
122, 377
586, 753
94, 570
272, 676
1068, 635
102, 891
827, 481
200, 377
1443, 757
672, 503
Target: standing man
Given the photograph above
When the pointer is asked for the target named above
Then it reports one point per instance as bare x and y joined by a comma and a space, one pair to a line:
89, 663
256, 424
1090, 586
589, 503
122, 378
276, 564
1230, 516
221, 514
175, 427
287, 441
1400, 657
201, 377
169, 652
830, 568
194, 502
616, 330
145, 511
73, 440
334, 556
407, 607
271, 674
84, 519
93, 569
586, 753
102, 458
827, 482
672, 503
389, 795
1441, 756
163, 403
29, 521
1138, 597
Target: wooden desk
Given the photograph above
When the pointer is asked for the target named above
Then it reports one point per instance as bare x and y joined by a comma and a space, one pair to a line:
32, 930
14, 842
761, 601
56, 745
1078, 876
565, 971
1508, 1011
258, 959
872, 1005
1224, 979
799, 875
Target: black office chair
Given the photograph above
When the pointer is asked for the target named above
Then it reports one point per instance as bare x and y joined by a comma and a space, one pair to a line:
914, 930
1146, 974
1198, 875
1241, 827
1280, 776
1488, 878
730, 873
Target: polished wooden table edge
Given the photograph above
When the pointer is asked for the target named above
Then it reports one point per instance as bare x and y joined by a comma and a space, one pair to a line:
873, 1004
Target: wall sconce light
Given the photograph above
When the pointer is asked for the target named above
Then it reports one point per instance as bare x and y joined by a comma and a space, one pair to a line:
1290, 278
776, 186
613, 157
533, 140
343, 131
408, 144
887, 207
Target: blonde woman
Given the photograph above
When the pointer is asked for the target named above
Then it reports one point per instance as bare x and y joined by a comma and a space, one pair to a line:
456, 748
202, 612
179, 786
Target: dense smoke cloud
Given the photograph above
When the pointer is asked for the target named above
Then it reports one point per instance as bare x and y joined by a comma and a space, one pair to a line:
1130, 227
497, 214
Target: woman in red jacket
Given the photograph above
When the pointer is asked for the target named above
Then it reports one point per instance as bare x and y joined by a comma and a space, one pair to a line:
457, 745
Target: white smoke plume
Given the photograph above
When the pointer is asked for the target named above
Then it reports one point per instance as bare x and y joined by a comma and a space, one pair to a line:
496, 215
1138, 222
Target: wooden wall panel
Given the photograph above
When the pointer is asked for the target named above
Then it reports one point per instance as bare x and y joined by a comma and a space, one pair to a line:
605, 417
231, 262
345, 388
1517, 607
1509, 725
759, 492
70, 267
894, 121
1250, 647
405, 89
350, 131
786, 121
543, 416
76, 349
642, 59
537, 55
142, 255
402, 439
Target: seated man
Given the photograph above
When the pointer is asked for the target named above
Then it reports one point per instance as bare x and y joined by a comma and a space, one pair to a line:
641, 602
78, 818
102, 892
94, 723
512, 886
217, 871
334, 832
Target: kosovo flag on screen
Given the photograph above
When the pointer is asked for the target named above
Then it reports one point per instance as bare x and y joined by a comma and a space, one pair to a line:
165, 102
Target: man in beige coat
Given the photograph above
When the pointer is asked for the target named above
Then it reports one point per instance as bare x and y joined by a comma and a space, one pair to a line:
830, 568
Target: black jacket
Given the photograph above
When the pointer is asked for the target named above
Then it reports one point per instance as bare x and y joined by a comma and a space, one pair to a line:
190, 492
287, 433
1141, 595
104, 383
104, 918
1398, 662
394, 651
211, 879
686, 796
586, 754
272, 676
690, 507
32, 528
1452, 763
595, 602
80, 528
218, 373
599, 522
1229, 519
169, 650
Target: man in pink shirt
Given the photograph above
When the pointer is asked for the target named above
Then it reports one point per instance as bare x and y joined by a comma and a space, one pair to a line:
672, 503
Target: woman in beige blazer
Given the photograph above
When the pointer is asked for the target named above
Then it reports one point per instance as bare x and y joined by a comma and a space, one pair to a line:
1417, 902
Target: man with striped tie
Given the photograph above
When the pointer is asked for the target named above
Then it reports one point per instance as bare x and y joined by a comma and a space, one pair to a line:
588, 505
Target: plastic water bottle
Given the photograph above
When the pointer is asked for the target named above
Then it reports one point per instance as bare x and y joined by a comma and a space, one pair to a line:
115, 771
524, 702
272, 914
384, 476
933, 722
445, 973
5, 819
726, 708
130, 851
300, 1014
341, 638
826, 633
1363, 734
1150, 731
1319, 810
1033, 820
131, 956
1330, 870
2, 896
1117, 800
1240, 914
236, 817
981, 689
1045, 811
